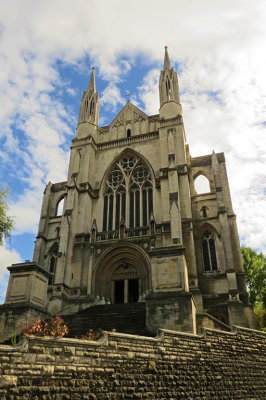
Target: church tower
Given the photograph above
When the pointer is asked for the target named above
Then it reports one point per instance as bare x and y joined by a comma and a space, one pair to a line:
128, 225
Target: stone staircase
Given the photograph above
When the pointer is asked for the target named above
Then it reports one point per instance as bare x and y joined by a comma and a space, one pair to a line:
125, 318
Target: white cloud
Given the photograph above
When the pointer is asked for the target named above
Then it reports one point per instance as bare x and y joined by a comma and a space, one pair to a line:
111, 97
148, 91
219, 47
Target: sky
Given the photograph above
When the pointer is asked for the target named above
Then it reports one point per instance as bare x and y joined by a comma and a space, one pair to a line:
47, 49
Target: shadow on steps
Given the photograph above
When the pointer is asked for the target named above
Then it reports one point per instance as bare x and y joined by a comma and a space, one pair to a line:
125, 318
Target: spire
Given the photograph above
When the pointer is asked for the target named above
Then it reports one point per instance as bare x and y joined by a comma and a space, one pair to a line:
89, 106
92, 85
167, 62
168, 84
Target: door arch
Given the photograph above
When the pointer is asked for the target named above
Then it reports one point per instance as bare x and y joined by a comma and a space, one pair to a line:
122, 274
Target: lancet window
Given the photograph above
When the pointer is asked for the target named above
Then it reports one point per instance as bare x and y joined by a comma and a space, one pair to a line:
209, 252
168, 89
52, 262
128, 194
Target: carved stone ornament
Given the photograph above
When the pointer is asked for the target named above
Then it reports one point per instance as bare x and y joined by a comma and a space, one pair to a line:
182, 169
173, 198
171, 158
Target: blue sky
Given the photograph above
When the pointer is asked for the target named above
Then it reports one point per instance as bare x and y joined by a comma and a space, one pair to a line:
47, 50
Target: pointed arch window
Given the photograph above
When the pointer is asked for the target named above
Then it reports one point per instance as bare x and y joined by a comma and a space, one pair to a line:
128, 194
52, 263
168, 88
209, 252
204, 212
59, 207
92, 105
202, 184
85, 110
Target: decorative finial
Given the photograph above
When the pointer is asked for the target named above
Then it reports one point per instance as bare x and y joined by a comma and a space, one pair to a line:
128, 96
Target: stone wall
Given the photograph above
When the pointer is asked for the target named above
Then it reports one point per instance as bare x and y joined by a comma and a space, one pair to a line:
216, 365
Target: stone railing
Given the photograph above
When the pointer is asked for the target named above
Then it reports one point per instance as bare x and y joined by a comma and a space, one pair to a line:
123, 233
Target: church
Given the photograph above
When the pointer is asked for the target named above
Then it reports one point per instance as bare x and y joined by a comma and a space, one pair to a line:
128, 225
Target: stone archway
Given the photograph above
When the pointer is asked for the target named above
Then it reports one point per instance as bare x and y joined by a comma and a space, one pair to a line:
122, 274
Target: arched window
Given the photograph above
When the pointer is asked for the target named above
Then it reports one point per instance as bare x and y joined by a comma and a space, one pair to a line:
59, 208
168, 88
128, 194
92, 108
209, 252
128, 132
204, 213
52, 262
86, 106
202, 184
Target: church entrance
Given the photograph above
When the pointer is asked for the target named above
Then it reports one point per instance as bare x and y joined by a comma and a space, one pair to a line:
126, 291
122, 274
126, 284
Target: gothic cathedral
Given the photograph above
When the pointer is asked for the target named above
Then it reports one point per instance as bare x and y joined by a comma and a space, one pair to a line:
128, 226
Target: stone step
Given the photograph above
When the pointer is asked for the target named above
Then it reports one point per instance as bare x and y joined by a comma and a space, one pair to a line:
125, 318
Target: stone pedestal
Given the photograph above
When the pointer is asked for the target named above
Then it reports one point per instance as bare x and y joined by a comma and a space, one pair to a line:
28, 284
170, 305
171, 310
236, 313
26, 298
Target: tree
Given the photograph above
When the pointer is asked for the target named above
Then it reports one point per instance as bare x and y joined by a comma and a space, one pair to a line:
255, 269
6, 222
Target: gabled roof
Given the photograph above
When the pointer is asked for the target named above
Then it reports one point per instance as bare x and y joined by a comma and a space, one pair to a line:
129, 113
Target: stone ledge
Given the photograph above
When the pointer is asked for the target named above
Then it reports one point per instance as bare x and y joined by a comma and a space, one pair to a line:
28, 266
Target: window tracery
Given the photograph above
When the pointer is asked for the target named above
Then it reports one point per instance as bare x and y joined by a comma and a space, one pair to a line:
128, 194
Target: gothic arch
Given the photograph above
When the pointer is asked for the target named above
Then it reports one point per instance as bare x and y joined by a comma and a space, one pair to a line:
124, 153
207, 226
200, 172
122, 254
52, 261
59, 206
127, 192
206, 182
208, 238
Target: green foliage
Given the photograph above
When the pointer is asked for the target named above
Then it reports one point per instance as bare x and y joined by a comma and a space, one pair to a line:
260, 313
255, 269
6, 222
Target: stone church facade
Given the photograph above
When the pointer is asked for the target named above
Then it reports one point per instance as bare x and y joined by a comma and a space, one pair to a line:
128, 225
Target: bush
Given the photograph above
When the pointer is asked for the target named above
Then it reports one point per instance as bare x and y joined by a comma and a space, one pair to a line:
53, 326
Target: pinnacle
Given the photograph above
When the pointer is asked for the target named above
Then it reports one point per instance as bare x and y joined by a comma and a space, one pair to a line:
91, 85
167, 62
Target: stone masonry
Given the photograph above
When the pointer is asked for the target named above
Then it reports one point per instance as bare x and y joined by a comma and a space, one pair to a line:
212, 366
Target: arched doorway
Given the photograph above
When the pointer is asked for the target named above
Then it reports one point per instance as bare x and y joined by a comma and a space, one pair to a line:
122, 274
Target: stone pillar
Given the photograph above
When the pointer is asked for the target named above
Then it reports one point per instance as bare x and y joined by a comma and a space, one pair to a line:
171, 310
27, 284
26, 298
170, 305
236, 312
126, 291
